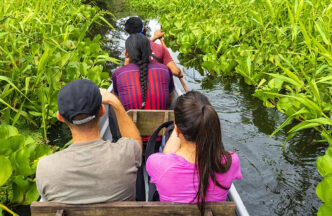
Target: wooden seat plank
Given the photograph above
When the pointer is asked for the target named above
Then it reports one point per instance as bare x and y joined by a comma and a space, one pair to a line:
131, 209
147, 121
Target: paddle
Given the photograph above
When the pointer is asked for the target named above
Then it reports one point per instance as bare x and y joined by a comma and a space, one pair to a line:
181, 79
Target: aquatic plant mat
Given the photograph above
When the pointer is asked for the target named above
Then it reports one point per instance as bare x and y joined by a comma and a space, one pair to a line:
282, 48
43, 46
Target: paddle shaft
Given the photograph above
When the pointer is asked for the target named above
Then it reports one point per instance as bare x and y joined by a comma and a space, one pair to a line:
181, 79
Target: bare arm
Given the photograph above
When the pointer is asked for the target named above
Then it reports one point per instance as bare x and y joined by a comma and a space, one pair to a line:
126, 125
162, 42
172, 144
158, 34
174, 69
171, 65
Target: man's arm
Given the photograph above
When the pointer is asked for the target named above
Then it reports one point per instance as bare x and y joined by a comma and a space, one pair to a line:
174, 69
171, 65
157, 35
126, 125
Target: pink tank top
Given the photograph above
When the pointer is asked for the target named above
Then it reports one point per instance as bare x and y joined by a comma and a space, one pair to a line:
175, 180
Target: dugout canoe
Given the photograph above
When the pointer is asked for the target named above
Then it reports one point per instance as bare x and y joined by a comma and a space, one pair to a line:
233, 194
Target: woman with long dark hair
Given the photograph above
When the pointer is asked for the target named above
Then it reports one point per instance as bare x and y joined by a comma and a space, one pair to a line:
194, 166
142, 84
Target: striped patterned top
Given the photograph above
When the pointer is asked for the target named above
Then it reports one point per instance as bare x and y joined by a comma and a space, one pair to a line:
126, 85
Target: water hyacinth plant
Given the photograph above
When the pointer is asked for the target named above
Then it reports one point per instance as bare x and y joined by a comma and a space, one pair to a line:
43, 45
19, 156
282, 47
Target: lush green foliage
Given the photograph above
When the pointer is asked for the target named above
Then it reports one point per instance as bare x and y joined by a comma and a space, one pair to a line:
5, 208
43, 45
19, 156
283, 47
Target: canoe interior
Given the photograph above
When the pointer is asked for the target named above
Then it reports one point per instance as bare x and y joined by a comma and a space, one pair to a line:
233, 194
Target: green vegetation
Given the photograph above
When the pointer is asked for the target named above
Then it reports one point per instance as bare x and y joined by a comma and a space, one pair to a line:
19, 156
282, 47
43, 45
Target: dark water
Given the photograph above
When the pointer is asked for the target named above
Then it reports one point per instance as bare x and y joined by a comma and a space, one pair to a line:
274, 182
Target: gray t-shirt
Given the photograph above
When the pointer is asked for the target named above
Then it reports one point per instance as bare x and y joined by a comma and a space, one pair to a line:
90, 172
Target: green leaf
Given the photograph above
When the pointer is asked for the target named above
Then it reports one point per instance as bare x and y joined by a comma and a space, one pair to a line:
105, 21
322, 33
17, 115
323, 121
11, 144
27, 84
288, 106
323, 79
3, 207
7, 131
305, 34
303, 125
290, 136
42, 62
324, 165
325, 210
288, 120
303, 100
6, 170
275, 83
32, 194
20, 186
40, 151
22, 160
286, 79
14, 86
315, 91
328, 138
261, 83
323, 189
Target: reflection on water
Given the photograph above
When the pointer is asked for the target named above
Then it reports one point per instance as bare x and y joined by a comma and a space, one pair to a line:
274, 182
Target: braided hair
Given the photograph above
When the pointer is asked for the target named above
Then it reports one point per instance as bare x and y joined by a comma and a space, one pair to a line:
139, 51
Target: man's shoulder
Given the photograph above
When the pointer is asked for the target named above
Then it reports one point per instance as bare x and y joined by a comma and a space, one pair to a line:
124, 141
155, 44
51, 159
156, 48
155, 65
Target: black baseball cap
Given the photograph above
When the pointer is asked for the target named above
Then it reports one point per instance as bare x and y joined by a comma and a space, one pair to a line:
79, 97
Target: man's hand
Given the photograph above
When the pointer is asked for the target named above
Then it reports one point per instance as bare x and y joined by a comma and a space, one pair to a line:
174, 69
180, 74
109, 98
126, 125
157, 35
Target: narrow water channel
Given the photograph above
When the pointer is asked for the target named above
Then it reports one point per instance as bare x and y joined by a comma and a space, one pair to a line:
274, 183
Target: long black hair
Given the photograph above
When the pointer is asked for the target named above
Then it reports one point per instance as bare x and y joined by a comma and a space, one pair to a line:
139, 51
199, 123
